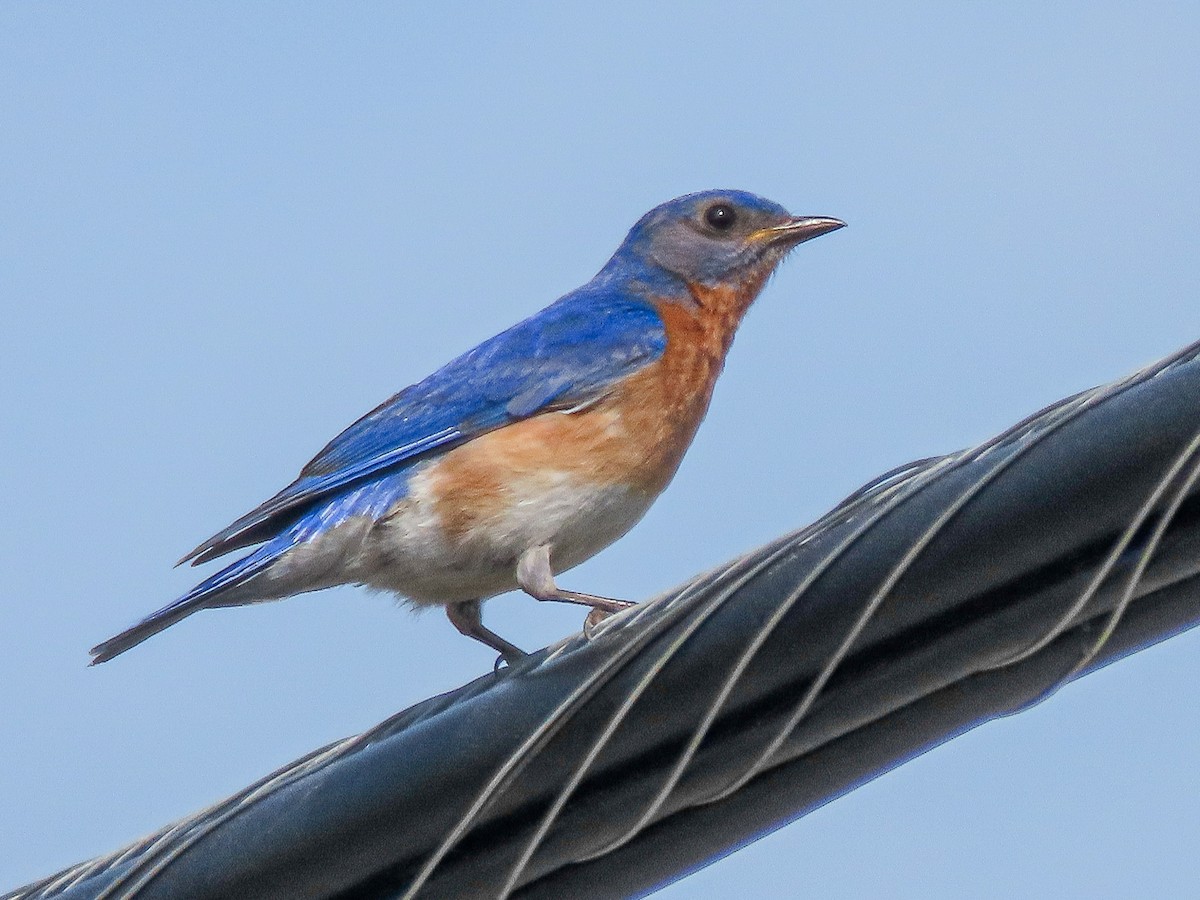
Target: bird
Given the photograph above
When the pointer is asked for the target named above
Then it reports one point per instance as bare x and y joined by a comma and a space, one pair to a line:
528, 454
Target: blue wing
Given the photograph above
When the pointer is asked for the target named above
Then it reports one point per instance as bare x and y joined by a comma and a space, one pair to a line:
569, 353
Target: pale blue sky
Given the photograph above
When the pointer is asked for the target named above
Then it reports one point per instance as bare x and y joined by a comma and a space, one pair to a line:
228, 229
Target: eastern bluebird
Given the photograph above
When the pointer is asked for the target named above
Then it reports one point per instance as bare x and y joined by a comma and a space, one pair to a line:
527, 455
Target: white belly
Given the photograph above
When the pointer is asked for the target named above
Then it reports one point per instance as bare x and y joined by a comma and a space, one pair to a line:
411, 553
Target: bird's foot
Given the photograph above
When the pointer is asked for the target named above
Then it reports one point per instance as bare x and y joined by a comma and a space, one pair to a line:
509, 659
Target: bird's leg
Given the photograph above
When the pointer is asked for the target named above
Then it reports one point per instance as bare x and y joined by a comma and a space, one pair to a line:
537, 579
467, 617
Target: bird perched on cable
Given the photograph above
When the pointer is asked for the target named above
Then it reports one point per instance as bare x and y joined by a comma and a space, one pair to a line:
527, 455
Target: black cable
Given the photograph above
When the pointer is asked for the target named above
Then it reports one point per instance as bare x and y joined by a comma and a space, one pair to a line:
943, 594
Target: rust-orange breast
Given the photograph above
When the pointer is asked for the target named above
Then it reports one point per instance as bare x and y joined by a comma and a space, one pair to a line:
634, 437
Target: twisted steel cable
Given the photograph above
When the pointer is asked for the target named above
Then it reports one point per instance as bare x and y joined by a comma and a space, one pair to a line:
944, 593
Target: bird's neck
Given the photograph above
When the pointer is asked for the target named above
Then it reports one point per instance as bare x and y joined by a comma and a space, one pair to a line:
718, 310
714, 310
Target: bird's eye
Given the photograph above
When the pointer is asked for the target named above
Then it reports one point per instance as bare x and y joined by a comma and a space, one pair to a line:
720, 216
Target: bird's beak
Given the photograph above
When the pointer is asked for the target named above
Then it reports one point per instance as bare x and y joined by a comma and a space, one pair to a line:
799, 229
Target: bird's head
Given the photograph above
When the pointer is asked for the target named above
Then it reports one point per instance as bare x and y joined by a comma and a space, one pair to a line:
718, 238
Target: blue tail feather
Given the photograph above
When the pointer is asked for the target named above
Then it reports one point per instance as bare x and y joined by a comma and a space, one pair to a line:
196, 599
374, 499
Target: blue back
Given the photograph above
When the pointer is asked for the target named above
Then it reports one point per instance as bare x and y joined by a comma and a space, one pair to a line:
569, 353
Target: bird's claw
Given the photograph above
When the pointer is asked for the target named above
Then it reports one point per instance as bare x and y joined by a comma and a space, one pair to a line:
509, 659
594, 617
